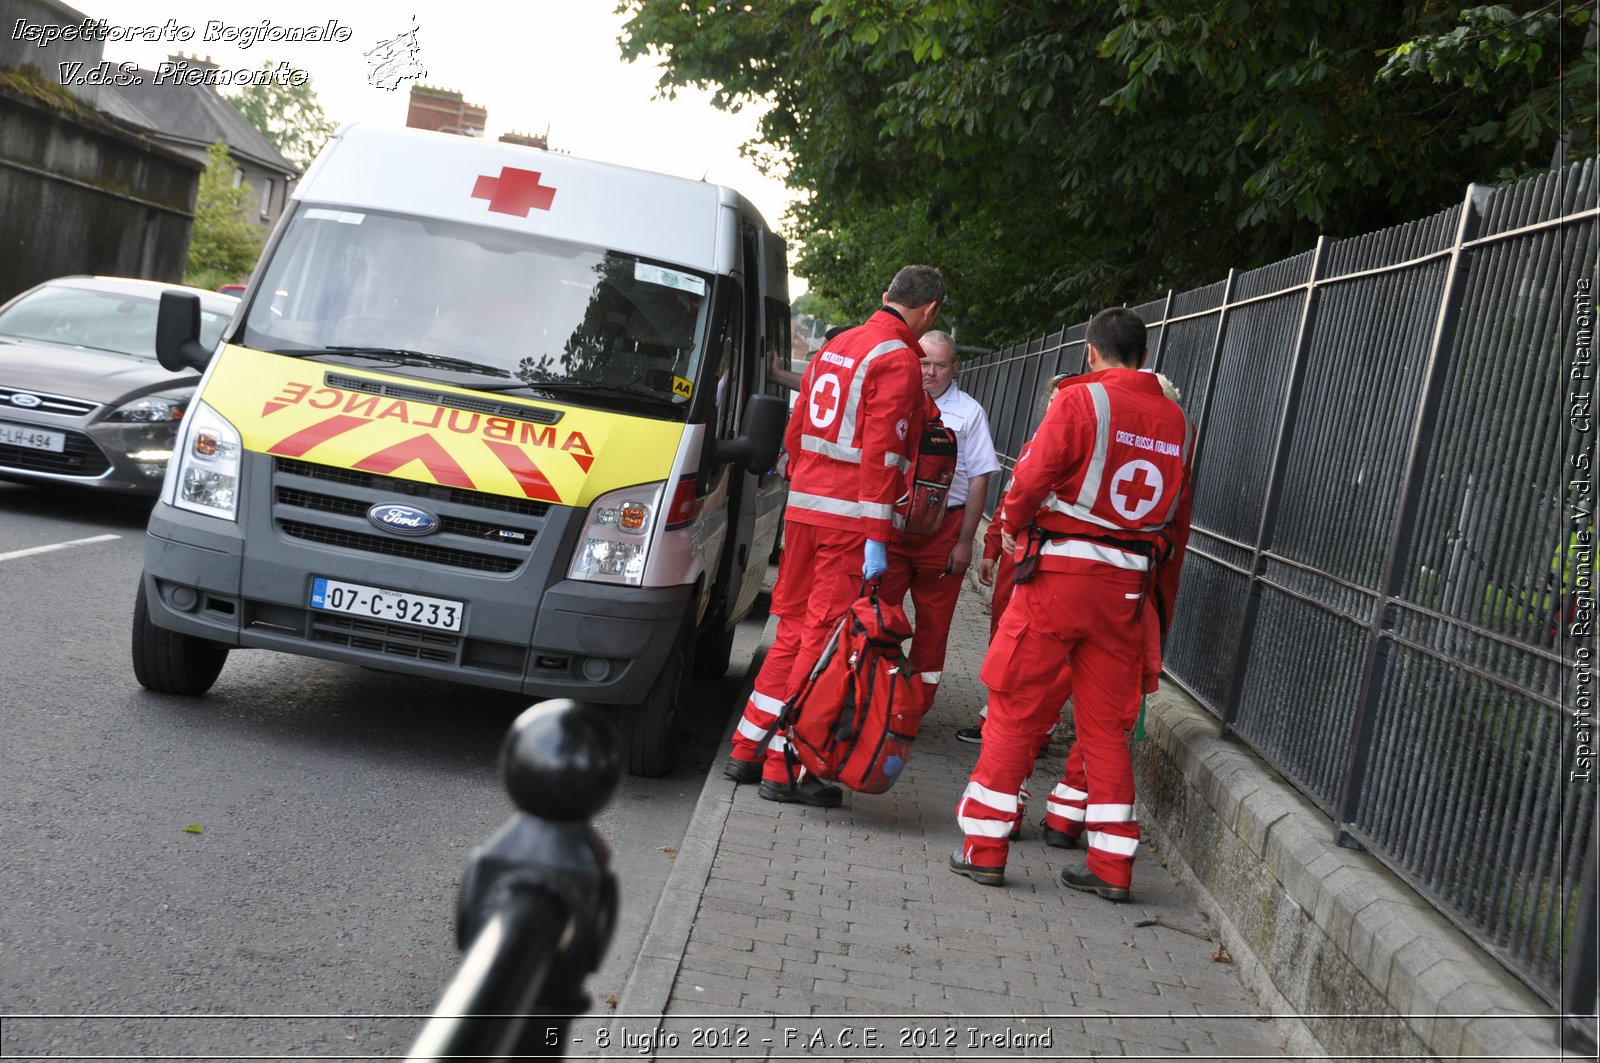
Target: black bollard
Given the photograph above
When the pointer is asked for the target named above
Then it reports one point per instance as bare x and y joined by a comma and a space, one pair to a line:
539, 901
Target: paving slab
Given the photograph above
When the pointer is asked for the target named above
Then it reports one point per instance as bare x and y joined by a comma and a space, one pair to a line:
787, 931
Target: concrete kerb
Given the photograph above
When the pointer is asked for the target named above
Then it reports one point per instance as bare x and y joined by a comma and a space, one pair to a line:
650, 984
1401, 965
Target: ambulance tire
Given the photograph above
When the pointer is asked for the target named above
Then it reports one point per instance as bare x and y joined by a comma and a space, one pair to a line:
169, 662
650, 727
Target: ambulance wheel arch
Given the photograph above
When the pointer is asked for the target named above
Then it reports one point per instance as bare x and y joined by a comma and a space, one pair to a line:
170, 662
713, 647
650, 727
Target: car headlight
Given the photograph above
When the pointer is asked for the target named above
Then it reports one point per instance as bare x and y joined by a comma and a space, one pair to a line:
205, 474
152, 409
615, 541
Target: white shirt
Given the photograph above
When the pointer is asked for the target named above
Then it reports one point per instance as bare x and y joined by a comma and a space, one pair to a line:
975, 456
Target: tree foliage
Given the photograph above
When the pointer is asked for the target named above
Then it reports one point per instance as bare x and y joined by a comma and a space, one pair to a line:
224, 242
1060, 156
290, 116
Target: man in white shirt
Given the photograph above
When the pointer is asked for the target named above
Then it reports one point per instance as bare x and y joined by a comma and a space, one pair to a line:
934, 566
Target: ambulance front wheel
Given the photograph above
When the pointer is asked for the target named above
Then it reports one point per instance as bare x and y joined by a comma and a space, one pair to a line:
649, 728
169, 662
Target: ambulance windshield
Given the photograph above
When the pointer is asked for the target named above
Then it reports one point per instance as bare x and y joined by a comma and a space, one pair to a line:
343, 283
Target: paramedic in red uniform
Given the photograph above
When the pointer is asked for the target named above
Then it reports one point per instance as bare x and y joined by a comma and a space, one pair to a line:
1103, 492
850, 442
934, 566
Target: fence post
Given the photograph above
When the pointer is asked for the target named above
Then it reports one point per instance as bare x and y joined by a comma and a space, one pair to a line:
1212, 369
1274, 491
1161, 344
1376, 667
1578, 986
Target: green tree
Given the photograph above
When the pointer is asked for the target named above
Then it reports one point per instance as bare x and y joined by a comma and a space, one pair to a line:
1056, 157
290, 116
224, 242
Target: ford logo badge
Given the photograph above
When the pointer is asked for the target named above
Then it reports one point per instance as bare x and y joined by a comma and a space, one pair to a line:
402, 520
26, 401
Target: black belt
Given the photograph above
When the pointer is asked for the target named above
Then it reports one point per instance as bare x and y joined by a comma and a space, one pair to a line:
953, 508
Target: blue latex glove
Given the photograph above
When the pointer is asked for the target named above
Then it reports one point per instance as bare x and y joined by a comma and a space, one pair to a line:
877, 560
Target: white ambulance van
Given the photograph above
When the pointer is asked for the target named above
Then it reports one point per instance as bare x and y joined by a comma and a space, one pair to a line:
486, 414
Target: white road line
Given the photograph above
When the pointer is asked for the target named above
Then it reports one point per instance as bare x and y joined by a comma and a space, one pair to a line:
57, 546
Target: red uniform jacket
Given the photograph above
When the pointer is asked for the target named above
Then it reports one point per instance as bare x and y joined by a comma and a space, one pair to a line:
1110, 462
853, 434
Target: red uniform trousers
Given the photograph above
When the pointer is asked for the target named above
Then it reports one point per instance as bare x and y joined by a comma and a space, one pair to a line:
1067, 805
819, 578
1061, 631
917, 563
1005, 570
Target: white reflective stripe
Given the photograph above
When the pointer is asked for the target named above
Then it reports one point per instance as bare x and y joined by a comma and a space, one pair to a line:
753, 731
1072, 812
836, 451
823, 504
1111, 813
984, 828
1067, 793
1113, 843
1054, 504
1090, 489
880, 510
898, 461
1106, 555
994, 799
766, 702
932, 677
778, 744
852, 402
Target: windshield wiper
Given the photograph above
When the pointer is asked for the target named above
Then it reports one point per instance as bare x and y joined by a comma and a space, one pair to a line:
403, 356
633, 389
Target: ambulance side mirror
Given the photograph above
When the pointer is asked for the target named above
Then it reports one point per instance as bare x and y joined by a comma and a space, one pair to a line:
178, 345
757, 449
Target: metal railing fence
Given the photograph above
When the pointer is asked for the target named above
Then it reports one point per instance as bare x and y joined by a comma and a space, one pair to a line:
1392, 543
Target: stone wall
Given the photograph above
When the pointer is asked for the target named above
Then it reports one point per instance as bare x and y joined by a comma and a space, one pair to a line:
81, 196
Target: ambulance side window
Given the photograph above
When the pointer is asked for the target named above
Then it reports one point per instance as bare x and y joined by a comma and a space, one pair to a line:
731, 372
780, 337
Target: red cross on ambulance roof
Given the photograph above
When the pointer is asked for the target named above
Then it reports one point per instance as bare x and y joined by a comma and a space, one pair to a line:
514, 191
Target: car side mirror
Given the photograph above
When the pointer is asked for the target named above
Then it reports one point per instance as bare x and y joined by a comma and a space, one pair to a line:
757, 448
178, 345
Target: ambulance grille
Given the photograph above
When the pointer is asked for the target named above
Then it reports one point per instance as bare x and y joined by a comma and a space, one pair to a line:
409, 549
375, 636
477, 531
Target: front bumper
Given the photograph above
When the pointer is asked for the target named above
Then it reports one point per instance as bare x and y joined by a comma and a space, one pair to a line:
524, 631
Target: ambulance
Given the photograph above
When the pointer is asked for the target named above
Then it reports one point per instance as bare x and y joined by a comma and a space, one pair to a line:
485, 414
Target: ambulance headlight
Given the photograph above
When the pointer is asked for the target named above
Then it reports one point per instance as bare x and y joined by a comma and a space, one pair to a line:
615, 542
204, 475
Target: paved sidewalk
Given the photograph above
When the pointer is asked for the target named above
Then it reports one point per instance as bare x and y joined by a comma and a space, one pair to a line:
840, 933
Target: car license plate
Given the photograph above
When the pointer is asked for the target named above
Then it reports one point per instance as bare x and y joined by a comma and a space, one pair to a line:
401, 606
16, 435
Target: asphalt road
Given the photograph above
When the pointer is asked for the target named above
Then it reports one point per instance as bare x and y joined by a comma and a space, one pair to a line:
267, 870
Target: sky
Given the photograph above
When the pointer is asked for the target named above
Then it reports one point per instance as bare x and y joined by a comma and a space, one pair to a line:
534, 64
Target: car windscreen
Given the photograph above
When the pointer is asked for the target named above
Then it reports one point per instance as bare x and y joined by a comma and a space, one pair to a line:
98, 319
535, 310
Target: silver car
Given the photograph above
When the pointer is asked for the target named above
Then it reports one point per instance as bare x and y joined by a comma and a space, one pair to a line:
82, 398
